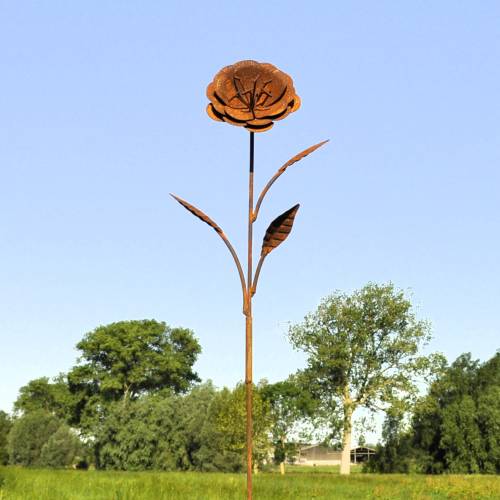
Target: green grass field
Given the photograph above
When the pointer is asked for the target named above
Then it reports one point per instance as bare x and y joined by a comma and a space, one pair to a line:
57, 485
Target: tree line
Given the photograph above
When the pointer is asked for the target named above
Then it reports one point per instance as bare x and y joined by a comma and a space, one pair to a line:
134, 402
455, 428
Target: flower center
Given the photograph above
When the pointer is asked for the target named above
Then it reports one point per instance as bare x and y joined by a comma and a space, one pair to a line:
254, 96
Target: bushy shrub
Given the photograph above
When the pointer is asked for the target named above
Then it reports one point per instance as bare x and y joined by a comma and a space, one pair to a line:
28, 435
156, 432
62, 449
5, 425
203, 430
396, 454
456, 427
223, 434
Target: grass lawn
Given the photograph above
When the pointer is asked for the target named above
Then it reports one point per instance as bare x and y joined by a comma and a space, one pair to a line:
26, 484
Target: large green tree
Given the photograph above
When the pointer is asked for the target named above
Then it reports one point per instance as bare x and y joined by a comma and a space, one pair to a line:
290, 406
51, 396
456, 426
223, 437
126, 359
363, 350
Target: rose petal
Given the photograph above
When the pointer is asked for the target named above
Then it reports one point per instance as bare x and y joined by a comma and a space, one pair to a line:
259, 128
238, 114
229, 93
288, 111
239, 123
258, 123
210, 91
218, 99
243, 64
277, 109
296, 103
279, 116
275, 97
219, 107
212, 112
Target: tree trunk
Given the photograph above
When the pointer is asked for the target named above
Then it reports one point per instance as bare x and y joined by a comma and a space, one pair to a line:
345, 462
282, 463
126, 394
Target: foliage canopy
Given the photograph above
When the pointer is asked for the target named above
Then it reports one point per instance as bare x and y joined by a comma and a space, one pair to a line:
129, 358
363, 350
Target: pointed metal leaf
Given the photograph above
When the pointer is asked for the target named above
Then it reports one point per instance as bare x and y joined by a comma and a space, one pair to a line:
278, 230
301, 155
198, 213
281, 171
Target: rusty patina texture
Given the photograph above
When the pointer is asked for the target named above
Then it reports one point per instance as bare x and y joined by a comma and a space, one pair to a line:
252, 95
278, 230
198, 213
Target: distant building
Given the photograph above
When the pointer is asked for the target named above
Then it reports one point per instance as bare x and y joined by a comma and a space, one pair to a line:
361, 454
316, 454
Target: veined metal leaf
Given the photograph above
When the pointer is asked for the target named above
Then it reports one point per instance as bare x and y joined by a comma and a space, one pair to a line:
281, 171
278, 230
205, 218
301, 155
198, 213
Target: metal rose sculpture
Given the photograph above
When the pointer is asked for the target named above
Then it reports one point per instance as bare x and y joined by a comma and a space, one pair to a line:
253, 95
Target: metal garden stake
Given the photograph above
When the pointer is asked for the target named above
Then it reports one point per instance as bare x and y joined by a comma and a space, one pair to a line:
253, 95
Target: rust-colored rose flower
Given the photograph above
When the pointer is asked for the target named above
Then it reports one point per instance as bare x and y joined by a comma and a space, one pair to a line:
251, 95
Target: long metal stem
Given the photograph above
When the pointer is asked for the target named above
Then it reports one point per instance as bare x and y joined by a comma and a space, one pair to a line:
248, 325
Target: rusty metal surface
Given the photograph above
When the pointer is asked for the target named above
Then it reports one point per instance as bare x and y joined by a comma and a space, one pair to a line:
249, 325
252, 95
278, 230
301, 155
198, 213
253, 290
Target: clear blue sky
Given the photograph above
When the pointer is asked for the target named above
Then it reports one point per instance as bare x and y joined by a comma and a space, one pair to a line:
102, 114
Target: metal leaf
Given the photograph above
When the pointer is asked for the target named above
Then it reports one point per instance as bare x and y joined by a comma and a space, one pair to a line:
278, 230
281, 171
301, 155
198, 213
